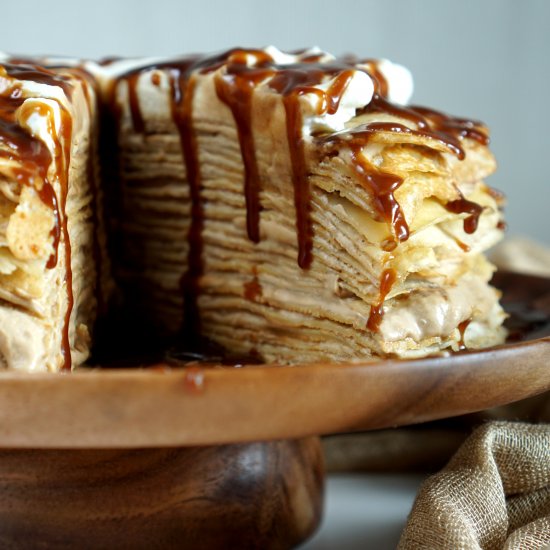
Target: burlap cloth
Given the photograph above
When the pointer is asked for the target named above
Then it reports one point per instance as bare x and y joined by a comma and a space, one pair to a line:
494, 493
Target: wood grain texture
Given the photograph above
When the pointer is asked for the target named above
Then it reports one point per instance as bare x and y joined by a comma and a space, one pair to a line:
138, 408
259, 495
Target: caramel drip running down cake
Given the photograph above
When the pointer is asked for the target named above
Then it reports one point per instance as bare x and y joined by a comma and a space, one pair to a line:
295, 207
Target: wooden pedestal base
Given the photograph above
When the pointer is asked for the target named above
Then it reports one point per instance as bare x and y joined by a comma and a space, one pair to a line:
258, 495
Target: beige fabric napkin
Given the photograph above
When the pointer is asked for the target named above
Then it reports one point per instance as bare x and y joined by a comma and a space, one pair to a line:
493, 494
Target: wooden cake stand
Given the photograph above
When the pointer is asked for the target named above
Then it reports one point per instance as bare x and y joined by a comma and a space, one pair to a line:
207, 456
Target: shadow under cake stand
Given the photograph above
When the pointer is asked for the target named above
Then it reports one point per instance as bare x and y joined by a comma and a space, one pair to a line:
218, 457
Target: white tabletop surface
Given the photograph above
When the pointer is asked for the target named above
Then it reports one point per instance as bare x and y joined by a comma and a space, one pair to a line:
364, 511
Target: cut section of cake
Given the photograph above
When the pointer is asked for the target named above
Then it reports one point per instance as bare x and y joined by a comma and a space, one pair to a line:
53, 271
293, 207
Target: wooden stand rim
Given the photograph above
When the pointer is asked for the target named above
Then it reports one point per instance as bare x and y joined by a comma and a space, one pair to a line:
161, 407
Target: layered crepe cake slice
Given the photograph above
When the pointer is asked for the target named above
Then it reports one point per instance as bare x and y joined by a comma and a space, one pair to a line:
292, 207
50, 262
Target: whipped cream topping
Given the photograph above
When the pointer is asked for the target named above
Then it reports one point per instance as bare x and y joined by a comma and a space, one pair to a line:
42, 118
106, 74
357, 94
40, 112
399, 79
282, 58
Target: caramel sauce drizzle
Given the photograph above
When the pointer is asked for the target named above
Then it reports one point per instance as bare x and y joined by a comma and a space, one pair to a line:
133, 102
292, 83
387, 280
183, 89
253, 289
235, 89
155, 79
441, 127
381, 185
381, 85
181, 102
437, 126
34, 159
454, 126
462, 326
62, 159
182, 86
463, 246
240, 72
109, 60
241, 79
24, 69
464, 206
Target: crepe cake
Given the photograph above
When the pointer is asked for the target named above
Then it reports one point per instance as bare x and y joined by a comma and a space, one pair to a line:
52, 267
296, 208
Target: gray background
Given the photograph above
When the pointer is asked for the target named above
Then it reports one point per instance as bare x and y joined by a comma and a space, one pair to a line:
486, 59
